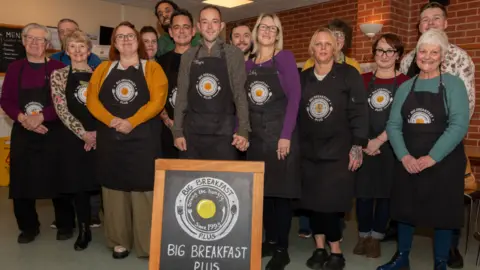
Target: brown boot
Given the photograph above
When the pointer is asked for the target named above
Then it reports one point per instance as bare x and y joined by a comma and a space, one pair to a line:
361, 247
373, 248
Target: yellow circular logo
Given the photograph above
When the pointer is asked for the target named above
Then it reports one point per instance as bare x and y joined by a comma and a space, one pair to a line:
33, 108
319, 108
125, 91
259, 93
420, 116
380, 99
208, 86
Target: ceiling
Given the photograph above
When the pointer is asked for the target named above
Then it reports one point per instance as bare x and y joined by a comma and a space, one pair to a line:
242, 12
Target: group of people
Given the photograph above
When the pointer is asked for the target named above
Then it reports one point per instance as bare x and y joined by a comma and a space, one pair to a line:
391, 138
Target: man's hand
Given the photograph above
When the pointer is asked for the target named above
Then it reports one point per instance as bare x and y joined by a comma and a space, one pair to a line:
241, 143
181, 144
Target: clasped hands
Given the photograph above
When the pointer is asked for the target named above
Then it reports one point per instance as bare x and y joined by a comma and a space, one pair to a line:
33, 123
413, 165
121, 125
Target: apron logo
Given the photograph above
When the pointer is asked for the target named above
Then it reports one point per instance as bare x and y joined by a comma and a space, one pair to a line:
81, 93
420, 116
208, 86
253, 72
207, 209
173, 97
319, 108
125, 91
33, 108
259, 93
198, 62
380, 99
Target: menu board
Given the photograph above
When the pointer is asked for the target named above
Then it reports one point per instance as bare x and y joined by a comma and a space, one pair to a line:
11, 47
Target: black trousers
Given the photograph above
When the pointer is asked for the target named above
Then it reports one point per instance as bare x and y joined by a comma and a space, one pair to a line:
82, 204
327, 224
277, 220
27, 219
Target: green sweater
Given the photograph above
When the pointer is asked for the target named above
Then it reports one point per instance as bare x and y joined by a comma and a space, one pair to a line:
458, 115
166, 44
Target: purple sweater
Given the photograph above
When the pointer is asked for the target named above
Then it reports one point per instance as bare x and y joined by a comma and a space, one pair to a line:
30, 78
290, 81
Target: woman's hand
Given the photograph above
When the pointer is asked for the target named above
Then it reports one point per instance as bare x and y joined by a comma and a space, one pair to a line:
373, 147
241, 143
124, 126
426, 162
181, 144
356, 158
283, 149
90, 138
411, 164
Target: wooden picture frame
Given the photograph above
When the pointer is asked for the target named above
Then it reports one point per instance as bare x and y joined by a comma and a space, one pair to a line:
164, 165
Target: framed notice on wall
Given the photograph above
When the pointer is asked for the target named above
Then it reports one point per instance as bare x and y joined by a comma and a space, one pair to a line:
207, 215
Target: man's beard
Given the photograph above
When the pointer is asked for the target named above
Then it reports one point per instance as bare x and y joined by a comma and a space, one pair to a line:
165, 27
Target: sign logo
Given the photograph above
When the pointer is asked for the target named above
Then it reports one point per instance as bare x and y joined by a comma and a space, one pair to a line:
125, 91
81, 92
208, 86
319, 108
420, 116
259, 93
173, 97
207, 209
33, 108
380, 99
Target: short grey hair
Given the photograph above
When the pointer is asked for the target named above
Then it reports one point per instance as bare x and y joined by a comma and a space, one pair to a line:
30, 26
435, 37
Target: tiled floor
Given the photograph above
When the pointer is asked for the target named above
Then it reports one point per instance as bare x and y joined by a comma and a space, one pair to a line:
47, 253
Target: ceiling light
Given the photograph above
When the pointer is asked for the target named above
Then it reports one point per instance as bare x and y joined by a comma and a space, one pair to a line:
227, 3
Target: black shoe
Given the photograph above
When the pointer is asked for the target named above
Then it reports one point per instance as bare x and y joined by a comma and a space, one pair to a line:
64, 234
84, 237
318, 259
335, 262
455, 259
391, 234
440, 265
27, 237
279, 260
268, 249
120, 255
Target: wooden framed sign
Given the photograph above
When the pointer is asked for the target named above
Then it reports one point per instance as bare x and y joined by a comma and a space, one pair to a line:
207, 215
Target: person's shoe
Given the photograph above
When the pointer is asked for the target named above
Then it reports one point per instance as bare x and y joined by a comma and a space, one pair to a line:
64, 234
304, 234
120, 252
84, 238
373, 249
95, 222
399, 261
391, 234
335, 262
455, 259
440, 264
268, 249
279, 260
27, 237
53, 225
318, 259
361, 246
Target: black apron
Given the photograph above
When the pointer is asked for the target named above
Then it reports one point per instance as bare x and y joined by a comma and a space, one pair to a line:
434, 197
375, 176
325, 142
168, 148
126, 162
34, 157
210, 119
78, 165
267, 106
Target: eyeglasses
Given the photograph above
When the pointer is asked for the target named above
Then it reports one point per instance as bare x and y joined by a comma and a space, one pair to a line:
381, 52
32, 39
185, 27
339, 35
126, 37
264, 27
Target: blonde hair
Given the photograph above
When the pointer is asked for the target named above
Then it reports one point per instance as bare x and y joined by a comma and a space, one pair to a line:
332, 37
278, 24
434, 37
30, 26
77, 36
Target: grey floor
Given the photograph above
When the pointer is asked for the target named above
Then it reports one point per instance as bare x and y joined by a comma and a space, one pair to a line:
47, 253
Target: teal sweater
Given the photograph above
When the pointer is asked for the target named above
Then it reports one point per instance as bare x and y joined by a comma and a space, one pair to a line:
458, 115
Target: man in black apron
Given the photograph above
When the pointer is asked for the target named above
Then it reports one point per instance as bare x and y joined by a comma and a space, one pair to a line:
211, 95
267, 103
433, 197
182, 31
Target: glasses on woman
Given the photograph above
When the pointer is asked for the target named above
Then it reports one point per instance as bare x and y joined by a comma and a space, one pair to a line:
127, 37
264, 27
32, 39
381, 52
339, 35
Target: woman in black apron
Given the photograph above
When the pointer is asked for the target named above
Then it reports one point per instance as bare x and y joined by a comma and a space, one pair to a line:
126, 94
333, 124
78, 139
34, 156
427, 123
374, 179
273, 88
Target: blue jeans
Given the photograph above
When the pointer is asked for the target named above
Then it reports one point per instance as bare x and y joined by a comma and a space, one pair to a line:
372, 217
442, 241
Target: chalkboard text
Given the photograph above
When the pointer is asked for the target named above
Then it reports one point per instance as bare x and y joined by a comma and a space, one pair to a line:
198, 252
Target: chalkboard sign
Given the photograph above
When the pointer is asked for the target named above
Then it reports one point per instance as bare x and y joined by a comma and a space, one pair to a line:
207, 215
11, 47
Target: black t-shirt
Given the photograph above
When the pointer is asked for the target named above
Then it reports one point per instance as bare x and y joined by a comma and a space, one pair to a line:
170, 61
